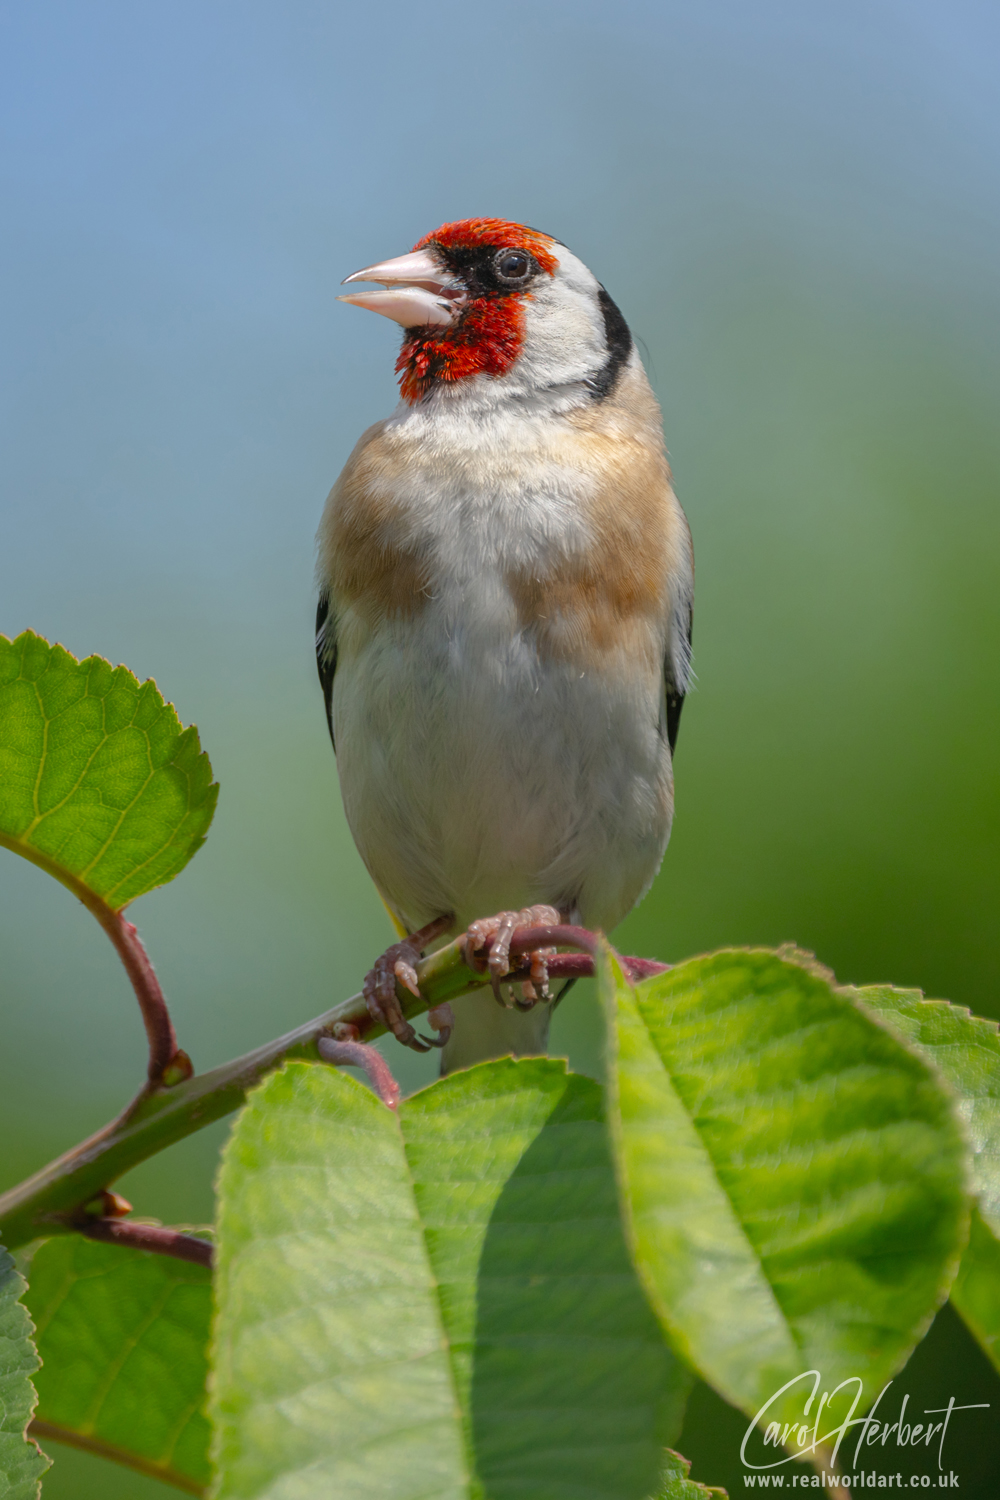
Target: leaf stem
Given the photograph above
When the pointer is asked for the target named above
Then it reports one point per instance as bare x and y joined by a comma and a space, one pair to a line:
167, 1064
44, 1431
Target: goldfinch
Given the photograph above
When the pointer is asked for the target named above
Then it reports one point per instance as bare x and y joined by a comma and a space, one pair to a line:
504, 623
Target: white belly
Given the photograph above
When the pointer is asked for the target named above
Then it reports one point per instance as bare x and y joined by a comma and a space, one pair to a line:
478, 778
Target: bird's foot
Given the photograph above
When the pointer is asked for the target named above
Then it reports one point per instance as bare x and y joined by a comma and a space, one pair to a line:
398, 964
501, 929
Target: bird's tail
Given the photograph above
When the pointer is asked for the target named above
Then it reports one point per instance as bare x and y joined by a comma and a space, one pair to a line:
484, 1029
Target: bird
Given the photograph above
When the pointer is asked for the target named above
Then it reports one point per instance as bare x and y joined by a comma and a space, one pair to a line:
503, 631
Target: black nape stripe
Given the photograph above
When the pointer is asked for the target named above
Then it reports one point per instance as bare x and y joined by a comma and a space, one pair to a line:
616, 331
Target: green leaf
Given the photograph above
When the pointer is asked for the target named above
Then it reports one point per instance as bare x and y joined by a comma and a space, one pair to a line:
560, 1368
22, 1464
793, 1175
976, 1292
123, 1336
99, 784
966, 1049
675, 1484
435, 1304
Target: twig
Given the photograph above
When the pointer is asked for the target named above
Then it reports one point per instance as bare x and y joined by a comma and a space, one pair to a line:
563, 965
525, 939
149, 1237
351, 1054
47, 1202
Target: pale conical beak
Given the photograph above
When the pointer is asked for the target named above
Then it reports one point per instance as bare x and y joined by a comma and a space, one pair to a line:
419, 293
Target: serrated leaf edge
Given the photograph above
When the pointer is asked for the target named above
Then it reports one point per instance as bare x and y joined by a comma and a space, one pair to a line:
76, 883
8, 1267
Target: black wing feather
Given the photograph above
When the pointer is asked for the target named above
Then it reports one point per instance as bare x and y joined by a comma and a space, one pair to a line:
326, 657
675, 695
675, 702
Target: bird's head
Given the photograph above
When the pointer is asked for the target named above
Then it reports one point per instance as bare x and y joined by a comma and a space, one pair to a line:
488, 300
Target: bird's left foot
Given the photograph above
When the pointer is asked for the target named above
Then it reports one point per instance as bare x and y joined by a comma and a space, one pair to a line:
501, 929
398, 963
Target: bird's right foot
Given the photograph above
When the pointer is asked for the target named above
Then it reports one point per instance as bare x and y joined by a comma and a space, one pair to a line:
398, 962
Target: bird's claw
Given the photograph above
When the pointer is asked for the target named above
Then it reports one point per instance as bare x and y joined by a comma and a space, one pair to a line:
501, 929
397, 963
407, 976
380, 990
440, 1018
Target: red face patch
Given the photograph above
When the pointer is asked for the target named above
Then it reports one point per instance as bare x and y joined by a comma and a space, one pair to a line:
488, 335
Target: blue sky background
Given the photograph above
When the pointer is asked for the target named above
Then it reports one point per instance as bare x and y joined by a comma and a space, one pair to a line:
796, 206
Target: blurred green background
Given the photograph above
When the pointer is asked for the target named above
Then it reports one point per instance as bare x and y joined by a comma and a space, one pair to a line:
796, 206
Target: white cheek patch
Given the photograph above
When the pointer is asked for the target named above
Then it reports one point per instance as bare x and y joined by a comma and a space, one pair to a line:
564, 337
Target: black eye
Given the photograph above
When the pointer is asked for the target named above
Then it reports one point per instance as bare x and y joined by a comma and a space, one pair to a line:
512, 266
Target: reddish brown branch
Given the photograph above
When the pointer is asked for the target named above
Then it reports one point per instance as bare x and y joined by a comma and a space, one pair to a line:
643, 968
149, 1237
525, 939
354, 1054
569, 965
581, 966
168, 1065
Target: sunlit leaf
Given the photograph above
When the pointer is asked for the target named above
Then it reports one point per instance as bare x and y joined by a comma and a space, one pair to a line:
21, 1463
966, 1048
99, 784
794, 1177
123, 1336
435, 1304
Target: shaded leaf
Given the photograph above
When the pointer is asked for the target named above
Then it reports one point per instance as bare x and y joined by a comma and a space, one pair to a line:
99, 784
21, 1462
976, 1291
966, 1048
123, 1336
439, 1303
566, 1383
793, 1175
